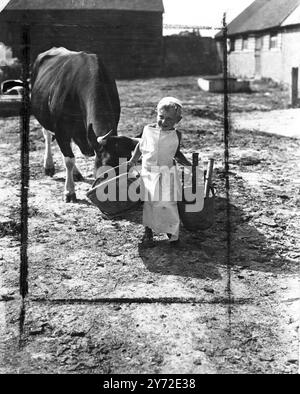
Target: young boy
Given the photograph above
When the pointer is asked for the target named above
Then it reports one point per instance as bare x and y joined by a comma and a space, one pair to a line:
159, 145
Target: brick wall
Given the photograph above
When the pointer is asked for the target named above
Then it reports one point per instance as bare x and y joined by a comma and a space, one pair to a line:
291, 54
241, 61
276, 63
271, 59
241, 64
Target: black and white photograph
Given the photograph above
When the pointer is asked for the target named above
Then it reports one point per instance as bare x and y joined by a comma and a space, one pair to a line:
149, 190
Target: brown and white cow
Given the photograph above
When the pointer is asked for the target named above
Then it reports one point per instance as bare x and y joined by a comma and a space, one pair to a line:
75, 99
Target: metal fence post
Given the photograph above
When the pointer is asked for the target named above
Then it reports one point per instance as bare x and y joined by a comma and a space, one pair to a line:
24, 134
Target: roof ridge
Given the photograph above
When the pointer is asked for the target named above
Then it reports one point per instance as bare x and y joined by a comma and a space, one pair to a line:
290, 13
261, 15
130, 5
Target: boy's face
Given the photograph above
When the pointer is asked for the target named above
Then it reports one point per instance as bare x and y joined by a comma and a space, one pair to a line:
167, 118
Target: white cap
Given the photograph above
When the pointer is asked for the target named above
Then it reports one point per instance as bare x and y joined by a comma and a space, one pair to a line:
166, 101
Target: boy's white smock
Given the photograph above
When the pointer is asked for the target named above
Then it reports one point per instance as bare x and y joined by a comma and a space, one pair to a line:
158, 149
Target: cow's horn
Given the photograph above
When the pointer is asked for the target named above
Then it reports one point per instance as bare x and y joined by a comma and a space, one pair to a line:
103, 137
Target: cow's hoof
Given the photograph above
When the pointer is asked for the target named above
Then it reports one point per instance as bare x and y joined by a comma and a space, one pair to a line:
50, 171
70, 197
78, 177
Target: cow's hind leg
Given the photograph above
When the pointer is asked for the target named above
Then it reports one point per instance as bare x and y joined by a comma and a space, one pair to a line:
77, 176
64, 142
48, 158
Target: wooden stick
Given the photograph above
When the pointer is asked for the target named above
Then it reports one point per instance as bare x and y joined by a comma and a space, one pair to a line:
194, 173
208, 177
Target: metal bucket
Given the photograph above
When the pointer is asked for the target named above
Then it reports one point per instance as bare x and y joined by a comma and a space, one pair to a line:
118, 206
202, 220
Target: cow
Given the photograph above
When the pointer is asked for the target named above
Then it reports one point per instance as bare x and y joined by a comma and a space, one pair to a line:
74, 98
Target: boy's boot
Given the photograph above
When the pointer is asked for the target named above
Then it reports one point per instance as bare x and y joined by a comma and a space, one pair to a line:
173, 242
147, 239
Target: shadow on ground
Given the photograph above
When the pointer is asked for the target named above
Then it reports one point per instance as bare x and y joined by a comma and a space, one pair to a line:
200, 254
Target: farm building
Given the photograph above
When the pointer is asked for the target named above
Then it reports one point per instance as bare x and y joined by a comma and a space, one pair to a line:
265, 40
127, 34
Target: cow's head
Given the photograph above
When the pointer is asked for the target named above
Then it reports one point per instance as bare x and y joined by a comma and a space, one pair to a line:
112, 148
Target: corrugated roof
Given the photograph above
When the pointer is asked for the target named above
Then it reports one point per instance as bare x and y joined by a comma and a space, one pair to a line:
262, 15
126, 5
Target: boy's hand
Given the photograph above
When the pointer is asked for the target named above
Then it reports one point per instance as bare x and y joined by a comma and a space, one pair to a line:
181, 159
188, 164
131, 163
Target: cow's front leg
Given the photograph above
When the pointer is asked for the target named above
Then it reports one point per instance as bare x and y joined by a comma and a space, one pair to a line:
48, 158
69, 193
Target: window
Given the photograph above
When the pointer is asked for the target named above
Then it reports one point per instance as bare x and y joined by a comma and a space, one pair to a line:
245, 43
273, 41
230, 45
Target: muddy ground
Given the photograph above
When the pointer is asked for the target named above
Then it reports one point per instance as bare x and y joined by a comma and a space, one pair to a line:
99, 302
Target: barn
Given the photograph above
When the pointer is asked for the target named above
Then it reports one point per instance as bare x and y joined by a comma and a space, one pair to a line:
264, 40
127, 34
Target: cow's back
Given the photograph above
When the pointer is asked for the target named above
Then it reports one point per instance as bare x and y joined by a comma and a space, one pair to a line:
46, 80
61, 79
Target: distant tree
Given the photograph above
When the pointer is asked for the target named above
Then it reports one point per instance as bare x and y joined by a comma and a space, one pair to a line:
193, 33
10, 67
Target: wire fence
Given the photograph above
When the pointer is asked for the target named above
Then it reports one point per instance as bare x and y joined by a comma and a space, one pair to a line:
24, 135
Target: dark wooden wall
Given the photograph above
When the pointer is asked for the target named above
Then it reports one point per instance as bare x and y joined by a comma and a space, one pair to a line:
130, 43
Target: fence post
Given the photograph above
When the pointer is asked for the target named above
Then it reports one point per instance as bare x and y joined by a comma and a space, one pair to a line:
24, 135
194, 173
295, 73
